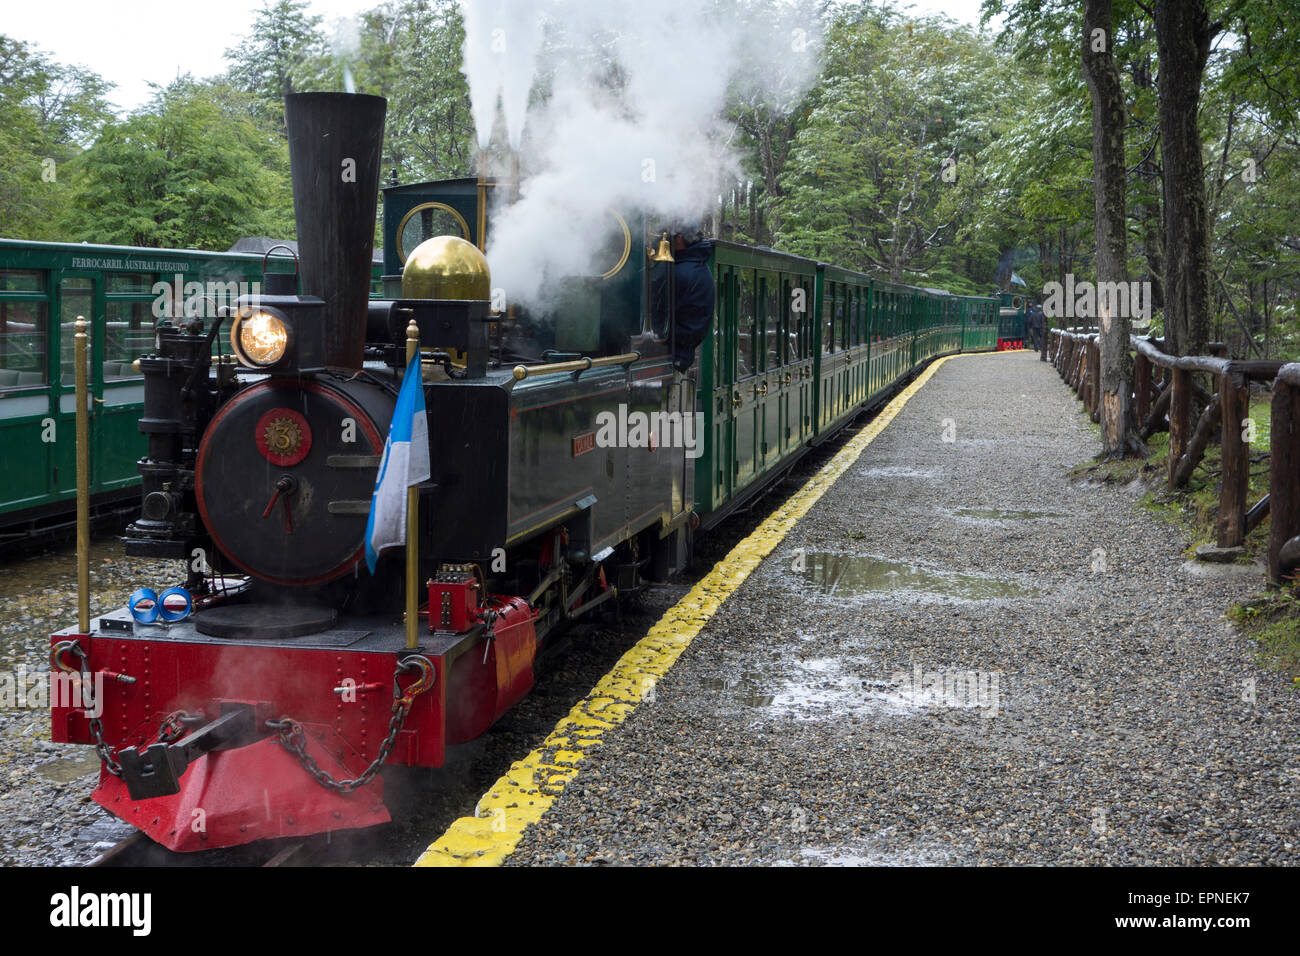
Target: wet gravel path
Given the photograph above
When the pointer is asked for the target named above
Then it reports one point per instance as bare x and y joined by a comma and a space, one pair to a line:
958, 657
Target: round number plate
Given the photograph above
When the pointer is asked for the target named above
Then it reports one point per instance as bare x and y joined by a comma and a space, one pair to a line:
283, 436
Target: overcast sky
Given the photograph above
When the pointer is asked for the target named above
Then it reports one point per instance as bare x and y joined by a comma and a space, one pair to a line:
137, 42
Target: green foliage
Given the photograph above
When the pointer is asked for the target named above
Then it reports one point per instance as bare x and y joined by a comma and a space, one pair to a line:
284, 53
47, 111
190, 170
883, 173
1273, 620
430, 130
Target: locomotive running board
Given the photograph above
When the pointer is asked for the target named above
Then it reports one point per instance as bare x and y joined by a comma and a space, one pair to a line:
216, 806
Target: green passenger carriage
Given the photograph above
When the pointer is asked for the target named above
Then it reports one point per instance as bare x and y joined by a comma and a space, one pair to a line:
44, 287
797, 347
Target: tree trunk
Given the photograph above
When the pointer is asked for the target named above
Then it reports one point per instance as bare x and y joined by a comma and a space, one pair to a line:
1183, 35
1147, 212
1110, 207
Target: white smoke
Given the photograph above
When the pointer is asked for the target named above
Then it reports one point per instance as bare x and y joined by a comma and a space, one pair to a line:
634, 116
502, 38
345, 46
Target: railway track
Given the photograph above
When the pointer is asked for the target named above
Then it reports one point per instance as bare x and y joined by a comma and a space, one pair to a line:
138, 850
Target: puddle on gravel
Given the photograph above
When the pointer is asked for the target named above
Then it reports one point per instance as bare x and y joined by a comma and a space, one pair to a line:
742, 690
995, 514
856, 575
865, 856
829, 688
68, 769
900, 471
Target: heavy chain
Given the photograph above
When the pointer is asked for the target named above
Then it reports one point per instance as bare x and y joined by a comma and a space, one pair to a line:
172, 727
105, 752
96, 725
294, 739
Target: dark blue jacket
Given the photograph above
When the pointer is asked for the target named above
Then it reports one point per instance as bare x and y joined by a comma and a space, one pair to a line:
694, 299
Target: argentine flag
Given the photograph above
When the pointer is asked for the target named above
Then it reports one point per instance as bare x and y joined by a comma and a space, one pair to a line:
405, 463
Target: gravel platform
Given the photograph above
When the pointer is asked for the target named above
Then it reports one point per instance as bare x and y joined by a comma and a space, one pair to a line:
958, 657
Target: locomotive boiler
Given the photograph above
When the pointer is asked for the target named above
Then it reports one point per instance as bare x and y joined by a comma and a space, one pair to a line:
272, 708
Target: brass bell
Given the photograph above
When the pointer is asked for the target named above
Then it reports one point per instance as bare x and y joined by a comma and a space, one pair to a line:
665, 253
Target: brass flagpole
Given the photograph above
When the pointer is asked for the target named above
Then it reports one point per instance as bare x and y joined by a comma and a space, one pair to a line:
412, 523
80, 341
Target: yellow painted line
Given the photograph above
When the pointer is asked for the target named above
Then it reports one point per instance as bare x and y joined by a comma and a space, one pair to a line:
518, 799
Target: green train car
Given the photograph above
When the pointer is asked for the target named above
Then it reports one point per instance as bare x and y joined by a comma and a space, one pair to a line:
1012, 311
797, 348
44, 286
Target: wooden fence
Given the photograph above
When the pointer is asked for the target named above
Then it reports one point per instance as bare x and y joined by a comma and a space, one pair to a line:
1164, 394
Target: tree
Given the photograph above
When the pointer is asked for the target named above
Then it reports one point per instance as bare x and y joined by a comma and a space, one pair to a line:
430, 128
1183, 35
282, 55
881, 173
47, 112
192, 169
767, 97
1109, 191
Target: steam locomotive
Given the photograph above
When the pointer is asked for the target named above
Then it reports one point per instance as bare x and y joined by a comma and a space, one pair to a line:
271, 709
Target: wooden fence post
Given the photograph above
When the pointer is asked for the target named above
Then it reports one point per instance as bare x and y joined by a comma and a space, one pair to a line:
1180, 408
1094, 378
1284, 474
1234, 404
1142, 386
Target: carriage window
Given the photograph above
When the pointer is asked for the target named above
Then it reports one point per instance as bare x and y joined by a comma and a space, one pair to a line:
719, 327
128, 334
130, 282
24, 332
746, 327
790, 340
76, 298
850, 317
839, 319
828, 318
805, 320
772, 320
22, 280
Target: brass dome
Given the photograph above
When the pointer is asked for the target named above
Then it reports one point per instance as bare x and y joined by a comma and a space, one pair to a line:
446, 267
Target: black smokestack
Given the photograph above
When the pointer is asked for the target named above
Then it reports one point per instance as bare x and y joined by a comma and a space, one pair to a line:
335, 144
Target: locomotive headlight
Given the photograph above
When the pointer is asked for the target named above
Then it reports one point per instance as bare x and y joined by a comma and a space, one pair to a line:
260, 337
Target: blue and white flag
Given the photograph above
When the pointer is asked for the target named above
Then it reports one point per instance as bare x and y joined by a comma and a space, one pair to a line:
405, 463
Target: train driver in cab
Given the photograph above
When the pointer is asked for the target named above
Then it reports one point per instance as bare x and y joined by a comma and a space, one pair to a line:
694, 292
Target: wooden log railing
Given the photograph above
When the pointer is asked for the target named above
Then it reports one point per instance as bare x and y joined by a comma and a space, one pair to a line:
1283, 489
1164, 396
